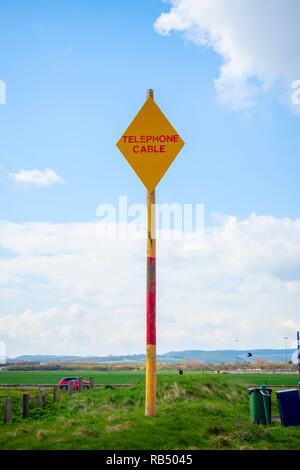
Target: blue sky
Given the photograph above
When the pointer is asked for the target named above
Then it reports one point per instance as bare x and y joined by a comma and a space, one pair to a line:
76, 74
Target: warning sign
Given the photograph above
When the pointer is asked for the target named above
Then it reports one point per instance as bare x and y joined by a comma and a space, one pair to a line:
150, 144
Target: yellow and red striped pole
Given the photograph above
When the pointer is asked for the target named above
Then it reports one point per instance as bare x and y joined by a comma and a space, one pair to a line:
151, 304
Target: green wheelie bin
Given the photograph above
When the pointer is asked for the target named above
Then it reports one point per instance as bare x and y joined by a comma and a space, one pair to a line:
260, 405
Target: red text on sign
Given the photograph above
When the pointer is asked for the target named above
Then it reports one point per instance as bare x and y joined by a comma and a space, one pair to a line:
131, 139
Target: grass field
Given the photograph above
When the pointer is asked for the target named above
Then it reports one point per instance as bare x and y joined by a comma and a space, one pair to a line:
260, 379
194, 411
52, 377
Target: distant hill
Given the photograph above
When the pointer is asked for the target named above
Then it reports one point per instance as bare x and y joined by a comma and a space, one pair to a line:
217, 357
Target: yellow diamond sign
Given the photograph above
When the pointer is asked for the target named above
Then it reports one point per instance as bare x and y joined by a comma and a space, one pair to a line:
150, 144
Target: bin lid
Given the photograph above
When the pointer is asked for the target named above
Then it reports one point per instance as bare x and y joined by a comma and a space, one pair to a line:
287, 391
258, 389
255, 389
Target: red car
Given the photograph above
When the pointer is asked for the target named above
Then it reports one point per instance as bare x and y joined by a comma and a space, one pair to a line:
63, 383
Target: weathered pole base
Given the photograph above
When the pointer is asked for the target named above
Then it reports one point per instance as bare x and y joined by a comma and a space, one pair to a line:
150, 409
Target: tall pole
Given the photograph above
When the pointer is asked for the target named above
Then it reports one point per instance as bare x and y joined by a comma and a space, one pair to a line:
236, 350
285, 339
151, 303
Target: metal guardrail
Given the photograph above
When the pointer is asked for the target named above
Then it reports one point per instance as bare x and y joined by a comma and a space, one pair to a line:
254, 372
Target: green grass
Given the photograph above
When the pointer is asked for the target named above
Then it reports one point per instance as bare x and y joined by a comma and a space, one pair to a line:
261, 379
195, 411
52, 377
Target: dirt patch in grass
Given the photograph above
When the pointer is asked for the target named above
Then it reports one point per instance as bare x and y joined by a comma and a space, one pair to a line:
84, 432
106, 408
221, 441
72, 422
215, 430
41, 434
112, 417
20, 431
119, 427
206, 389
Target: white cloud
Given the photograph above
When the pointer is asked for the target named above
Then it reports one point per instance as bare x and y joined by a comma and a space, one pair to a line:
259, 42
38, 178
67, 291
